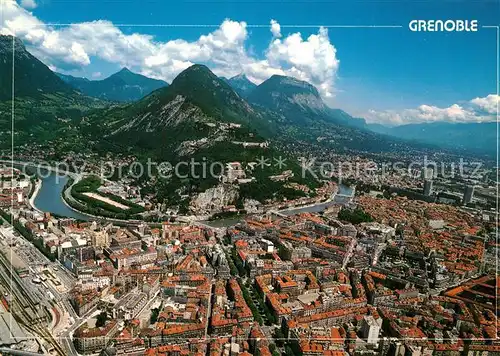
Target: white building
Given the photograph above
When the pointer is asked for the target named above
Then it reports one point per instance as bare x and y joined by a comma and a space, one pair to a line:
370, 329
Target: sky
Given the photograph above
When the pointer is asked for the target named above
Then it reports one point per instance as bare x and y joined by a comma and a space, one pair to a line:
387, 75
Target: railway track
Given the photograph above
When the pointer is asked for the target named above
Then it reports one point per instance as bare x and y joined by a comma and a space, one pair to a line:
24, 309
9, 275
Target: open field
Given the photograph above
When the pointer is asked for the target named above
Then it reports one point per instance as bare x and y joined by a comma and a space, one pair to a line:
106, 200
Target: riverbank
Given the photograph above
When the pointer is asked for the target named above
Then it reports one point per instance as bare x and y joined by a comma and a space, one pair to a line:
64, 197
47, 187
34, 194
49, 198
343, 192
52, 194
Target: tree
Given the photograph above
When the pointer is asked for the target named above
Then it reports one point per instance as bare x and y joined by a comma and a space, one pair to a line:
355, 216
154, 315
272, 347
279, 337
101, 319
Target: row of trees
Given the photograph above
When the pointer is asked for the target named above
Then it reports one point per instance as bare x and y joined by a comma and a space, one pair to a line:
267, 311
238, 264
251, 305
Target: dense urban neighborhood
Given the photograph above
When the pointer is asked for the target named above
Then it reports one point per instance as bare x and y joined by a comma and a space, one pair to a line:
169, 189
367, 274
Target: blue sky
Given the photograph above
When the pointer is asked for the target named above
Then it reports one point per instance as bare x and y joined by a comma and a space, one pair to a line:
391, 71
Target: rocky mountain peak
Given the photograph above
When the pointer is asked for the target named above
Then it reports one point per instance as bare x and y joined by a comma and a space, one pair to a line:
9, 43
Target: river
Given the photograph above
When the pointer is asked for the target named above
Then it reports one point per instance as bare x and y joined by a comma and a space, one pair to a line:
49, 198
343, 196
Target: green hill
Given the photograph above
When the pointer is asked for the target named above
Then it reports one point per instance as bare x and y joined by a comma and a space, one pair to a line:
45, 107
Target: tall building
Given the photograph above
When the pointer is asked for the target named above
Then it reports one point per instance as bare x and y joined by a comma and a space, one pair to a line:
427, 173
468, 194
370, 329
427, 187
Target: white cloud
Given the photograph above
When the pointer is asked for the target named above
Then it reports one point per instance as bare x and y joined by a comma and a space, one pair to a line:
313, 59
489, 104
275, 28
78, 54
28, 4
475, 110
258, 71
96, 75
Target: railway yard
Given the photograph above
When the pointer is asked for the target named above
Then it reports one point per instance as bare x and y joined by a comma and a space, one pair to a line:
33, 303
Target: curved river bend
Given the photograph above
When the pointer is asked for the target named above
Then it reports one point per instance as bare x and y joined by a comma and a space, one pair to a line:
49, 197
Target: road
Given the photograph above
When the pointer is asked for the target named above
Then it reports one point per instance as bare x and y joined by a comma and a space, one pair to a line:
209, 310
66, 337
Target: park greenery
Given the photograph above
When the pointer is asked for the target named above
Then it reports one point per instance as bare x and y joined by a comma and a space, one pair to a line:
101, 319
155, 312
354, 216
93, 206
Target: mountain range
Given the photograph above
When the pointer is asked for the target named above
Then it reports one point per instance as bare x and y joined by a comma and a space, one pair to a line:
477, 138
199, 116
299, 103
193, 107
123, 86
281, 109
281, 106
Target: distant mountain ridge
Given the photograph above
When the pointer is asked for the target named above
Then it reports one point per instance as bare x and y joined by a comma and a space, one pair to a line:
123, 86
298, 101
475, 137
241, 84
